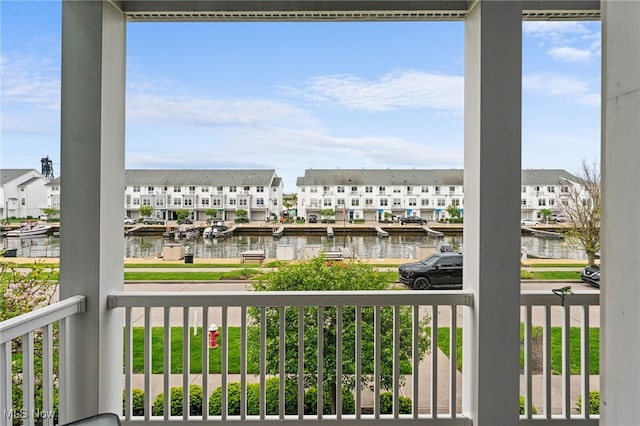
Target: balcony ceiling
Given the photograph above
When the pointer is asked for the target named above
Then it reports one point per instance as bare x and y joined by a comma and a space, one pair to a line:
341, 10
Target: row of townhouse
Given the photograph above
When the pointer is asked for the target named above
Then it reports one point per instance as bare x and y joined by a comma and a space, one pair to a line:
375, 194
22, 193
369, 194
258, 192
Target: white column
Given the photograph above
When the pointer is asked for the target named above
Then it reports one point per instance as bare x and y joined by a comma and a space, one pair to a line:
492, 174
92, 184
620, 293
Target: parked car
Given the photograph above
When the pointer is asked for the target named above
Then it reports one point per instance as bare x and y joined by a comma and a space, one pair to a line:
185, 221
529, 222
129, 221
412, 219
557, 218
153, 221
591, 275
313, 218
437, 270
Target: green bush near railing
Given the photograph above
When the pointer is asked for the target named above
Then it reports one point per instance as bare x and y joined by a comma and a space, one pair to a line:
176, 395
386, 403
534, 410
594, 402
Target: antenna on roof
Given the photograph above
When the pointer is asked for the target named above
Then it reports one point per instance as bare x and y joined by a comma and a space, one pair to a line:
46, 167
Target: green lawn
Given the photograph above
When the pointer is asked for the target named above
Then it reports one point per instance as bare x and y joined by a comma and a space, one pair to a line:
556, 348
240, 274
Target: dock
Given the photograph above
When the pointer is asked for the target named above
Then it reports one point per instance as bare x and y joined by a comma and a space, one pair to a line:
545, 234
277, 233
134, 228
433, 232
330, 233
381, 233
227, 232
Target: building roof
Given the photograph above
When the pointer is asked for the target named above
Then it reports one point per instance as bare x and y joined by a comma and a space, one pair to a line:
170, 177
7, 175
31, 180
400, 177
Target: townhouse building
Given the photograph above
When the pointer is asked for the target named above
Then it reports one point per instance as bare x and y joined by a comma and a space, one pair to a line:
22, 193
376, 194
259, 192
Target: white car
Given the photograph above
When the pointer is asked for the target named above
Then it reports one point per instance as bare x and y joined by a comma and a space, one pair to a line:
129, 221
529, 222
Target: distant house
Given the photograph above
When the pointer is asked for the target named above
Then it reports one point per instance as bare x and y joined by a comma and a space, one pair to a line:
22, 193
372, 194
259, 192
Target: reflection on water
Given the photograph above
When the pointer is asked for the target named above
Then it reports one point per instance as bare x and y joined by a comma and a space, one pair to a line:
364, 246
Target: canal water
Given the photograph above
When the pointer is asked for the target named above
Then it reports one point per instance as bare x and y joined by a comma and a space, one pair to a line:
401, 246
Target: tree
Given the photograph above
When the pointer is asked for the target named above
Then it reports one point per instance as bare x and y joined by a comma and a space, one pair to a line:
182, 214
146, 211
211, 213
319, 274
51, 212
545, 214
454, 211
581, 205
327, 213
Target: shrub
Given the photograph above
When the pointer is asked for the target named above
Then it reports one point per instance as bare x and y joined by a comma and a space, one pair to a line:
195, 402
233, 400
311, 398
241, 219
594, 402
137, 402
386, 403
534, 410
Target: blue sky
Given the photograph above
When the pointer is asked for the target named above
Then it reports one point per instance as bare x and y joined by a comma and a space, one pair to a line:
292, 96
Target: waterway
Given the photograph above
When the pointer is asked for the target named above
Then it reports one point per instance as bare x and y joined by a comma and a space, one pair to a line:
403, 246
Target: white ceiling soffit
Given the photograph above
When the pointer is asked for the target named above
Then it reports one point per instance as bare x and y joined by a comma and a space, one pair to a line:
341, 10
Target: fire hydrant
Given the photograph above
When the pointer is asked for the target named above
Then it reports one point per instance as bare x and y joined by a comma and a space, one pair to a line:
213, 336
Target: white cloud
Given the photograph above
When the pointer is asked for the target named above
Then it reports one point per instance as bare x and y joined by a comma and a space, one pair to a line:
393, 91
570, 54
556, 32
30, 80
570, 89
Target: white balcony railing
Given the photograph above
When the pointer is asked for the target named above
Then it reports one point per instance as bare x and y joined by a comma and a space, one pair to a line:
432, 382
18, 347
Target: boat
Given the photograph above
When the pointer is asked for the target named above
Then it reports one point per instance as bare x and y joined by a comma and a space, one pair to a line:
29, 229
186, 232
215, 231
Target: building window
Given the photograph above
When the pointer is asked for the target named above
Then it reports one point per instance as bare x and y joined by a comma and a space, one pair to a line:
177, 201
159, 202
368, 201
396, 190
232, 202
177, 189
355, 202
150, 189
384, 202
220, 189
340, 202
259, 188
564, 189
243, 202
552, 201
455, 202
382, 190
275, 202
136, 201
542, 202
340, 189
204, 189
188, 201
23, 201
524, 202
524, 189
146, 201
192, 190
232, 189
205, 202
216, 202
247, 188
136, 189
551, 189
412, 202
425, 201
441, 202
327, 202
397, 202
425, 189
368, 189
260, 202
313, 189
437, 190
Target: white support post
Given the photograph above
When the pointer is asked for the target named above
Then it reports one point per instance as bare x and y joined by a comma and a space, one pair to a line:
92, 249
620, 236
492, 174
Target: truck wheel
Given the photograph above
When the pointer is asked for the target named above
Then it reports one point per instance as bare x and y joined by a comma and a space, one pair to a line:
422, 283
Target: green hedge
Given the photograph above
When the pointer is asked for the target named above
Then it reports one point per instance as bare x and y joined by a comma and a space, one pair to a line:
594, 402
534, 410
195, 402
386, 403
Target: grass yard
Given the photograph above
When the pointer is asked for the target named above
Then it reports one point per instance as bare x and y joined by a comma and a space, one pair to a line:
239, 274
556, 348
